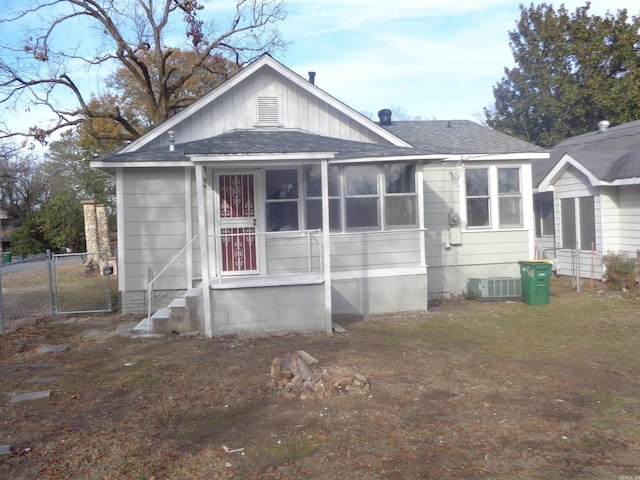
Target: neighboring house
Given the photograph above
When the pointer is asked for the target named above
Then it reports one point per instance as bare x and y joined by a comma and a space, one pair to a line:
277, 206
588, 199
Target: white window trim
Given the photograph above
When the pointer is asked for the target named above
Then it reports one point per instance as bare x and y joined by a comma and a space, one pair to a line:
526, 195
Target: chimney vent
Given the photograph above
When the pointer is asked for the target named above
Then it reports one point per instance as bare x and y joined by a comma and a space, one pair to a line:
385, 116
603, 126
312, 78
172, 140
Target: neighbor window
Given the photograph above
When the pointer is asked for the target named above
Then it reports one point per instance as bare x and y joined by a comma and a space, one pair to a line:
544, 217
578, 225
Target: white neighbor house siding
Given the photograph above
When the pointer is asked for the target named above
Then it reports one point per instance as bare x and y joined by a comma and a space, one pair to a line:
574, 184
629, 203
237, 109
481, 253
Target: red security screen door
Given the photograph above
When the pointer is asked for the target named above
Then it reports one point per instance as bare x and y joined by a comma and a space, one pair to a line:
237, 224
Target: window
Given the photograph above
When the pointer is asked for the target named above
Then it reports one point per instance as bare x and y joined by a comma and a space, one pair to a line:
509, 197
544, 217
587, 223
400, 195
494, 193
578, 224
282, 199
568, 222
363, 196
477, 189
313, 197
362, 202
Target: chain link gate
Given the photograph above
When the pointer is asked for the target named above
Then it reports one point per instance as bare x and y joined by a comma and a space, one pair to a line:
47, 284
81, 283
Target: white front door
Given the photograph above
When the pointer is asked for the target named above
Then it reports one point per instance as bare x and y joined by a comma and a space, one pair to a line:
237, 242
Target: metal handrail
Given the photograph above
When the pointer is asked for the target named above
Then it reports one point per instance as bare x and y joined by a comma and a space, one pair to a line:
311, 236
152, 281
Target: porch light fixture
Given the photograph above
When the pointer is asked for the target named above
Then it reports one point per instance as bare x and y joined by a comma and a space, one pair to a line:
172, 140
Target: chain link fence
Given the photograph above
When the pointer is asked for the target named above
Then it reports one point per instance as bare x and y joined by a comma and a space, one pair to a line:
47, 284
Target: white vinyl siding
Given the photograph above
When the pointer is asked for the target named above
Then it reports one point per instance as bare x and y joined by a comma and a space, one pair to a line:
569, 188
629, 219
483, 252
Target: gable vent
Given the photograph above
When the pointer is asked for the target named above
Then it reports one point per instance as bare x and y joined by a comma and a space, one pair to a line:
268, 111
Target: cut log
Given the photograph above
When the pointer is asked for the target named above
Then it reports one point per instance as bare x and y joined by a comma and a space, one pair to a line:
292, 376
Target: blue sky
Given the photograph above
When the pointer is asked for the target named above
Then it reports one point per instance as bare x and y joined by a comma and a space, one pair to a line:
429, 58
437, 59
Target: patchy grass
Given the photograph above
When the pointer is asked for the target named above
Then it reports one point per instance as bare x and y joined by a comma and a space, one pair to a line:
468, 390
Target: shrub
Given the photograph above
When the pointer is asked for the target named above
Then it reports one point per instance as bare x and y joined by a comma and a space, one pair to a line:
621, 270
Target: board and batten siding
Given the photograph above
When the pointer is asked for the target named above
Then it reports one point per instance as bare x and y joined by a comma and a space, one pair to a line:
237, 109
153, 213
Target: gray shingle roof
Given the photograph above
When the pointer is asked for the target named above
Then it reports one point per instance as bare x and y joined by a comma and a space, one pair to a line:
610, 155
428, 138
458, 137
265, 142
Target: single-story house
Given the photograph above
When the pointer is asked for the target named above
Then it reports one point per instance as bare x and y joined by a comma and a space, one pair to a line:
275, 206
587, 200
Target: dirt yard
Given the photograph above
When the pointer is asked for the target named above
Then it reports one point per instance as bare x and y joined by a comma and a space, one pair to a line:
469, 390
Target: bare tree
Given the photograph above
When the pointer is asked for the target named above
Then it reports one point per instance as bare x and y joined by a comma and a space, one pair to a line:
24, 184
45, 69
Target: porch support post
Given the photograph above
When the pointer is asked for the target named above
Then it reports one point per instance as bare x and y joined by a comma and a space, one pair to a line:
204, 252
326, 244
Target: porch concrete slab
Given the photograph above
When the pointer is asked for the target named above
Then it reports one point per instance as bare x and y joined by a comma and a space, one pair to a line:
40, 380
52, 348
6, 449
21, 397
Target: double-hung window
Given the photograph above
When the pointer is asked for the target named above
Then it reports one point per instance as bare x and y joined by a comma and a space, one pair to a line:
493, 193
509, 197
478, 198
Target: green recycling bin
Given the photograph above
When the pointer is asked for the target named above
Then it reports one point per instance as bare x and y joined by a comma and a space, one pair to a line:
6, 257
535, 278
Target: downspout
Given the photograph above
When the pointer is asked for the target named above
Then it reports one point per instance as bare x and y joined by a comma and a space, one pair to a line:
326, 250
204, 252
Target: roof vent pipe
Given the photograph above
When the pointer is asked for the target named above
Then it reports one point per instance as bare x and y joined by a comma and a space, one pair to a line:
172, 140
312, 78
385, 116
603, 126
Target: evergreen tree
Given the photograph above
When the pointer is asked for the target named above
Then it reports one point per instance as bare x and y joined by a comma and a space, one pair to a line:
573, 70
